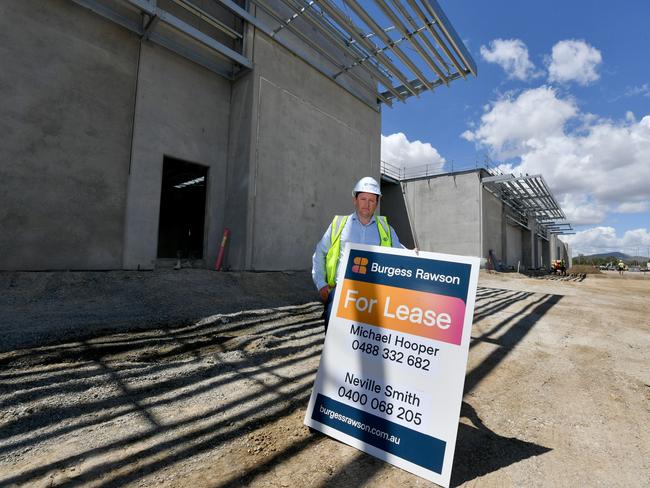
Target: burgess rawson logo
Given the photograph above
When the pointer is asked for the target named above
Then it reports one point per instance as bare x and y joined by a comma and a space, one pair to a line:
359, 265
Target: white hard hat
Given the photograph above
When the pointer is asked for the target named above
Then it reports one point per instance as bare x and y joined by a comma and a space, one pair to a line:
366, 185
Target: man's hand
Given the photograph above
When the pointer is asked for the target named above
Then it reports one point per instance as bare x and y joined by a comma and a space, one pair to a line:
324, 293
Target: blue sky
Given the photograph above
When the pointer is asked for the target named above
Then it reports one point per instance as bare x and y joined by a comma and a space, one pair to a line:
562, 90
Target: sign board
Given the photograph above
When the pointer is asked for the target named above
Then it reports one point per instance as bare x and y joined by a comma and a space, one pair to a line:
390, 380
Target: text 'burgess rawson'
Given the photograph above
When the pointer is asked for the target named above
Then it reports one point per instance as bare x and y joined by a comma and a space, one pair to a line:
420, 274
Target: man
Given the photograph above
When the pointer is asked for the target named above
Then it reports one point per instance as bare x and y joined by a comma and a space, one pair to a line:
360, 227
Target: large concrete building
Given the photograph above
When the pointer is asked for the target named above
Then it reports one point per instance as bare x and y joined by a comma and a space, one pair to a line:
133, 130
512, 223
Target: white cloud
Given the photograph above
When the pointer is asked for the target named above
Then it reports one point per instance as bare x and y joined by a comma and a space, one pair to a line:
604, 239
512, 126
573, 60
512, 56
581, 210
397, 150
633, 207
598, 166
643, 90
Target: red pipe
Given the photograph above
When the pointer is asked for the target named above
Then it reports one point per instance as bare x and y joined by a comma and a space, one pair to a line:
222, 249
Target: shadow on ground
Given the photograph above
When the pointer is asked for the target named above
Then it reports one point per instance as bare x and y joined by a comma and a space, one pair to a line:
89, 387
480, 451
151, 370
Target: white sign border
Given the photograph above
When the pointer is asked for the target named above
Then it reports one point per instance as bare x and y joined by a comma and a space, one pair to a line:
444, 477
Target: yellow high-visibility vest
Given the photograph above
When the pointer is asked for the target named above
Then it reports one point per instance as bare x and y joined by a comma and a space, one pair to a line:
334, 252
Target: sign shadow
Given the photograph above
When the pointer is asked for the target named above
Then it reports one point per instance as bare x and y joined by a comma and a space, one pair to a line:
480, 451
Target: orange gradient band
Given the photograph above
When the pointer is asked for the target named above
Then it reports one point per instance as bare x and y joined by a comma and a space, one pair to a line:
420, 313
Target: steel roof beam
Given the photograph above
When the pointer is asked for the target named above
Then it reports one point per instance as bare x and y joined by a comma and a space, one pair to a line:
497, 178
368, 20
295, 15
420, 31
436, 83
104, 11
532, 191
445, 26
316, 47
538, 186
149, 7
203, 15
412, 39
430, 23
203, 38
153, 15
354, 30
369, 67
529, 192
190, 54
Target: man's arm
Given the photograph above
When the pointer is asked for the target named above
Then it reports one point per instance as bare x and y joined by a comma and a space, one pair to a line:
394, 239
318, 274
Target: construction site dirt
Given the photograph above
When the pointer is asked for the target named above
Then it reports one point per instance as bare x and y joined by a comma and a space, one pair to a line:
193, 378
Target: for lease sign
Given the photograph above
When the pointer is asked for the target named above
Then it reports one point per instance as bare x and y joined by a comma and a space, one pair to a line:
391, 375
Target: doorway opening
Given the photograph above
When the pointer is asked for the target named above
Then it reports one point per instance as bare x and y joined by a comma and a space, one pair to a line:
182, 210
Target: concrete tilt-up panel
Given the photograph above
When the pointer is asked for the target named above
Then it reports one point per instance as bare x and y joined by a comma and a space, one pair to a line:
68, 79
445, 211
182, 111
311, 141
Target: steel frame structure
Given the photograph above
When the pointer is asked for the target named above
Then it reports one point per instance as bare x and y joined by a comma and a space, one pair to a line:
374, 38
145, 18
393, 48
529, 196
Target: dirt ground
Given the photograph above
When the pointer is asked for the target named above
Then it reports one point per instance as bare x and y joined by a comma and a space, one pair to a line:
200, 379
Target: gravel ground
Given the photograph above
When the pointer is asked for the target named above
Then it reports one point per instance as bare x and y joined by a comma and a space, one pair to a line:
40, 308
201, 379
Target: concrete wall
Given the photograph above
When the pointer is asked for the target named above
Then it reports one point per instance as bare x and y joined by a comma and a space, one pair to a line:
446, 213
528, 242
311, 142
514, 245
493, 232
67, 81
546, 253
241, 176
559, 249
539, 253
454, 214
393, 206
89, 112
182, 111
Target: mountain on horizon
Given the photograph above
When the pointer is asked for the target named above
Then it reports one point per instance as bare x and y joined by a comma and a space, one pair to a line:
615, 255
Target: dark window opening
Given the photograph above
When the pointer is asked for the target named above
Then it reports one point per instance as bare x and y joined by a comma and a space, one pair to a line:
182, 210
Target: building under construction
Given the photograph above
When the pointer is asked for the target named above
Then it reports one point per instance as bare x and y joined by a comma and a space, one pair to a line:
511, 222
138, 130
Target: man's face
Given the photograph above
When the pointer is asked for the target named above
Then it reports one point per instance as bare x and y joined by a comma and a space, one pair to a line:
365, 204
